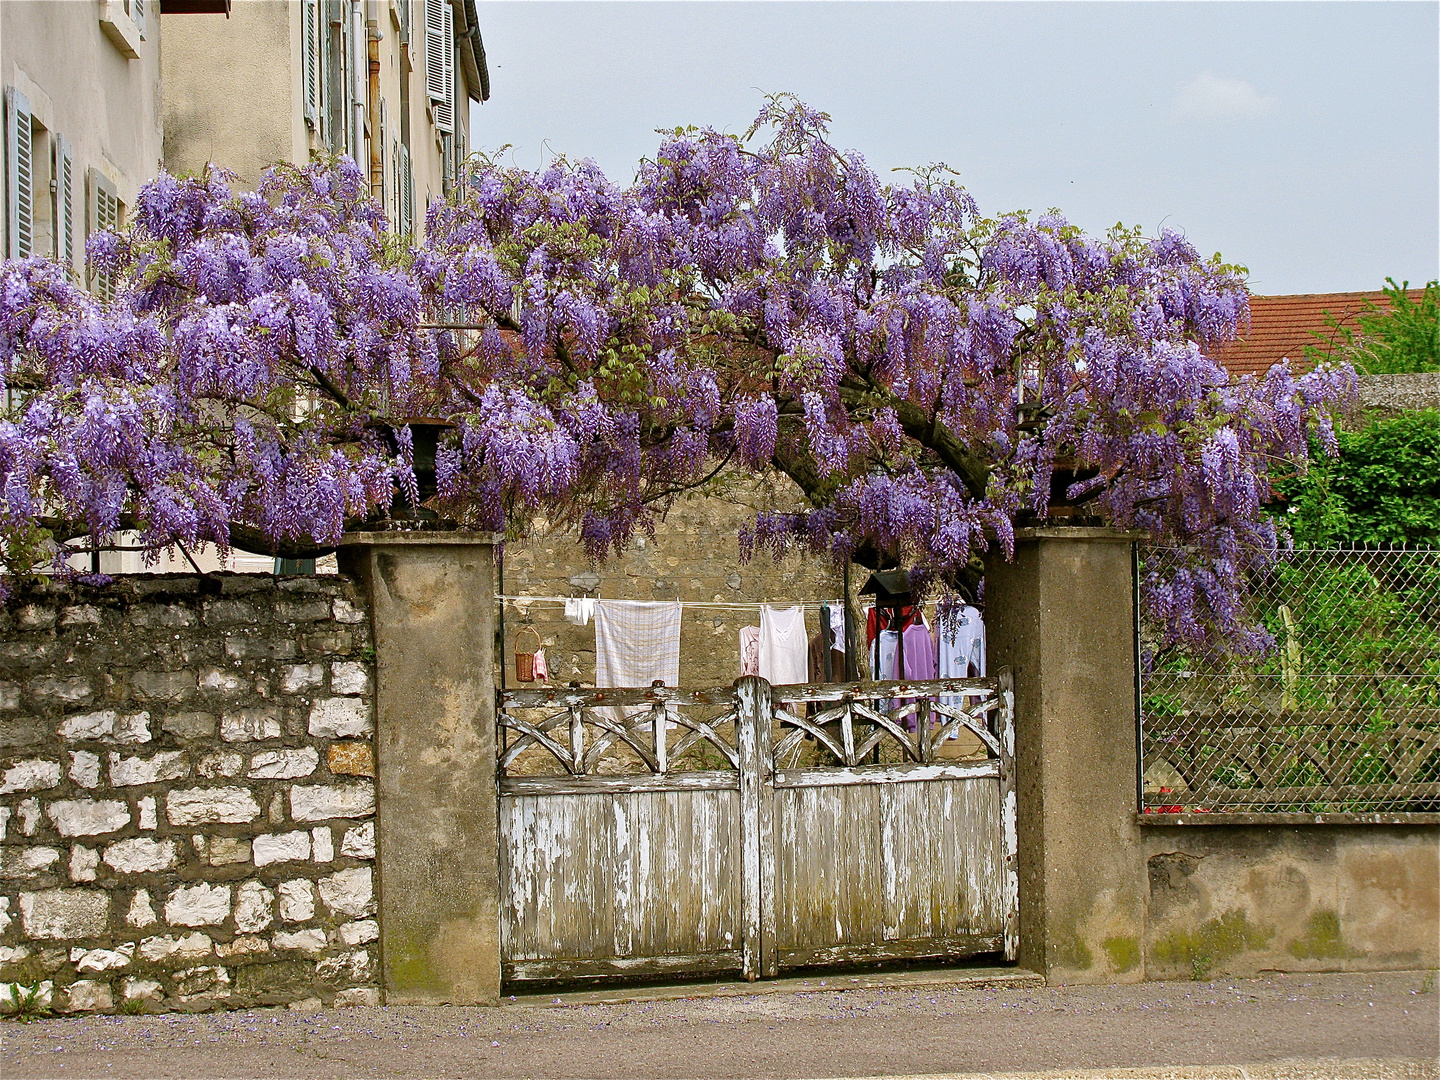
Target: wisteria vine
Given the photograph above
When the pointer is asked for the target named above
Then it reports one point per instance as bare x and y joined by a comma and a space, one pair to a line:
927, 376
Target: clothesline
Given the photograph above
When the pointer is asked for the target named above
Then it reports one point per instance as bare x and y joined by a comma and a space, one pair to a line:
751, 605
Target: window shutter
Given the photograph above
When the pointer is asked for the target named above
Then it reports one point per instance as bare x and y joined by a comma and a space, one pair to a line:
104, 212
446, 121
395, 186
20, 177
65, 204
439, 62
310, 59
434, 50
407, 197
137, 13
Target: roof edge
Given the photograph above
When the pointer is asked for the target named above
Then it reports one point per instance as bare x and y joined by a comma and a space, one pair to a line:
472, 51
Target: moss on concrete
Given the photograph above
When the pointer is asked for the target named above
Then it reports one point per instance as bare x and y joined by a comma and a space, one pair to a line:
1070, 951
407, 963
1124, 952
1322, 939
1212, 943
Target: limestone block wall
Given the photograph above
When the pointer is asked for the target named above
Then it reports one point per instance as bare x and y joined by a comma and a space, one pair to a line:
186, 793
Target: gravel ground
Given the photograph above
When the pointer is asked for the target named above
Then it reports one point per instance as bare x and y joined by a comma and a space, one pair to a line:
1281, 1026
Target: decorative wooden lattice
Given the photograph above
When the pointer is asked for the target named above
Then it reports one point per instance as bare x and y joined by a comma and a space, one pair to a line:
581, 729
855, 723
587, 731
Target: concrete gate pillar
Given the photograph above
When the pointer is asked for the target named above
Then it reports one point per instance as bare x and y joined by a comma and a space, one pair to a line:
1061, 615
432, 610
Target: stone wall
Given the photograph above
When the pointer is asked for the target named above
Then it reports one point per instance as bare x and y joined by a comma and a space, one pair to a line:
1393, 394
1240, 899
186, 793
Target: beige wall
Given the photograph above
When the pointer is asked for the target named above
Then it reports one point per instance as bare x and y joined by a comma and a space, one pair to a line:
232, 90
81, 86
233, 93
1235, 901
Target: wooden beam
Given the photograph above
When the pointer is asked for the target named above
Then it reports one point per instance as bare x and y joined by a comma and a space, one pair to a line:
884, 774
611, 967
937, 948
706, 780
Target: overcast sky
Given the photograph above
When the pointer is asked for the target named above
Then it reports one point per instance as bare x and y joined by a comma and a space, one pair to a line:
1298, 139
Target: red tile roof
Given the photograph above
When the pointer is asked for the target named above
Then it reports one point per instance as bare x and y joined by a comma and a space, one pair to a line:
1281, 327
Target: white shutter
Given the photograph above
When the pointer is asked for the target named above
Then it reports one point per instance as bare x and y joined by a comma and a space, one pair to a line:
434, 50
137, 13
20, 177
65, 204
440, 62
395, 187
445, 119
310, 59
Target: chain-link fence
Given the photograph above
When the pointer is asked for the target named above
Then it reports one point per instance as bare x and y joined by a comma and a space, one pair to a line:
1342, 717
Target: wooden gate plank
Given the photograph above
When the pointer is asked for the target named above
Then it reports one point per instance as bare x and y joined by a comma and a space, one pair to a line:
884, 774
955, 947
1009, 837
755, 869
757, 863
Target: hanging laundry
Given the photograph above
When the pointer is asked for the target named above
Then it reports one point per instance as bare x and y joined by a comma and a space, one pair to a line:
885, 656
961, 650
784, 648
918, 649
889, 618
909, 655
542, 667
817, 671
579, 609
637, 642
962, 644
749, 650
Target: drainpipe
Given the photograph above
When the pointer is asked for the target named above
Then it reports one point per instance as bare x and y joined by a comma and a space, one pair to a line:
360, 80
377, 148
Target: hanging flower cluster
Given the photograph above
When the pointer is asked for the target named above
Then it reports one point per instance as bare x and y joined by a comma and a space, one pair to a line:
926, 375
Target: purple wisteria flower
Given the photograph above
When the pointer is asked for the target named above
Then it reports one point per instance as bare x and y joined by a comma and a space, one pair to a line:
923, 373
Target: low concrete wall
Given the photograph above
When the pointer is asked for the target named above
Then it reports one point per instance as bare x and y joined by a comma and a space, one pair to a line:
1240, 899
186, 799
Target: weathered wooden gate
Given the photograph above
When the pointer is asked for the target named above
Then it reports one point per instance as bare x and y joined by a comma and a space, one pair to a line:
654, 831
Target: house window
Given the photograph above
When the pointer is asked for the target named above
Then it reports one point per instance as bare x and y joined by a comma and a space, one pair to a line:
105, 212
39, 186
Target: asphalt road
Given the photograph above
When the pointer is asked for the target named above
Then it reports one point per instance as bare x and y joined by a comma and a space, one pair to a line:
1382, 1025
